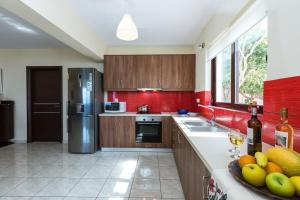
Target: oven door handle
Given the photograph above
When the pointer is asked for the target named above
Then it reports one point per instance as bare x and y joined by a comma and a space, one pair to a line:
148, 123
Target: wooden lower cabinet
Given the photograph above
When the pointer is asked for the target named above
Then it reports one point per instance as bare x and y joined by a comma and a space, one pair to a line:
116, 131
193, 174
119, 131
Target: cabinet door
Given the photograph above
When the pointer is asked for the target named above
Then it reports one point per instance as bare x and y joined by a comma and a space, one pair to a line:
166, 132
175, 146
197, 178
185, 165
193, 174
148, 71
119, 72
170, 72
117, 131
187, 76
178, 72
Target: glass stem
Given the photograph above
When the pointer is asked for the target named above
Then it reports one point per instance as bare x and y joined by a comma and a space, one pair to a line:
236, 151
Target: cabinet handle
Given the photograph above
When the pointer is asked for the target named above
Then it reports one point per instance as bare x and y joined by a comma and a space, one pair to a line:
178, 138
204, 187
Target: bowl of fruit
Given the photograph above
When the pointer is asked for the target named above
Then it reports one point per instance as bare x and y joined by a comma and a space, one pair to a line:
275, 173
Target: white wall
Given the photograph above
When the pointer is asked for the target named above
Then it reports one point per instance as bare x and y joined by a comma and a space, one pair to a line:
138, 50
283, 39
14, 62
60, 20
213, 29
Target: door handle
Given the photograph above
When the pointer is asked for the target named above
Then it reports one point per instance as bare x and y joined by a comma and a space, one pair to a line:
205, 187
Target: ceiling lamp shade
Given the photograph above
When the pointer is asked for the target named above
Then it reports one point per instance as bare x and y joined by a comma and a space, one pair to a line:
127, 30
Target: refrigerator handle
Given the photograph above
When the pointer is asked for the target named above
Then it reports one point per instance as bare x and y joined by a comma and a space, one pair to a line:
68, 107
68, 125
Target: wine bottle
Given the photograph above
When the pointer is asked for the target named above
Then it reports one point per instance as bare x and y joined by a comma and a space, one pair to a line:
254, 131
284, 132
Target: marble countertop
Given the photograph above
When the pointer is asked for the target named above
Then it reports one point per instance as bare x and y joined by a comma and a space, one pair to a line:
212, 148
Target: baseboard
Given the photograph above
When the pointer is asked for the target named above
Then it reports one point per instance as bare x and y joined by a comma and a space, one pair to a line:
19, 141
167, 150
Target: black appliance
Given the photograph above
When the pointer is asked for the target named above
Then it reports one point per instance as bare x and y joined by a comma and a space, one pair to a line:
6, 121
148, 129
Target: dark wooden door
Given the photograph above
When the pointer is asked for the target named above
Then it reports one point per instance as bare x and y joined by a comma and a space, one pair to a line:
44, 104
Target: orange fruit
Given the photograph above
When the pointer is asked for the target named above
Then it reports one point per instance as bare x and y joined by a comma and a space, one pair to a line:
246, 159
272, 167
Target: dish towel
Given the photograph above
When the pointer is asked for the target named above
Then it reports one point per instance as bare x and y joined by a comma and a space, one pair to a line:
215, 192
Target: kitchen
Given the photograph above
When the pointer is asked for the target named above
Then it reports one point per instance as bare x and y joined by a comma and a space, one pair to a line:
94, 112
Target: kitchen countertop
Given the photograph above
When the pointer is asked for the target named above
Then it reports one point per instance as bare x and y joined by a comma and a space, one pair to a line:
212, 148
166, 114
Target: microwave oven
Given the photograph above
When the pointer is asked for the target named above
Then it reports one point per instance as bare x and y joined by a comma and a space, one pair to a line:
114, 107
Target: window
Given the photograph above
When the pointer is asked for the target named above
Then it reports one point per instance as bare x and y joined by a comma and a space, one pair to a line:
223, 76
239, 71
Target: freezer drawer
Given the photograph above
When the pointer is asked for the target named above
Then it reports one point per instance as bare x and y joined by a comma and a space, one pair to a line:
81, 134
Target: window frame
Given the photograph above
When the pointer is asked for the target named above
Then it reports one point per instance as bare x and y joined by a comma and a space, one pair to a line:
232, 104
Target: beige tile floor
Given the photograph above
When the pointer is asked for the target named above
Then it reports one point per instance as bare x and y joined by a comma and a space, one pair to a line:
46, 171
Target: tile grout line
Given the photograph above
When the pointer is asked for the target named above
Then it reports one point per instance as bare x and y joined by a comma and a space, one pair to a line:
134, 175
159, 179
106, 180
3, 195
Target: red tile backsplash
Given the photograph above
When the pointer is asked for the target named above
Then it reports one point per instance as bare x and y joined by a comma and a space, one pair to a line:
277, 93
158, 101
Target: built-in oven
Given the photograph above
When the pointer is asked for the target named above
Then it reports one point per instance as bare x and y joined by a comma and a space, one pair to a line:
148, 129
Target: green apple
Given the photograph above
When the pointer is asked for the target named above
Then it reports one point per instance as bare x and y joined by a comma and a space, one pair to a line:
280, 185
296, 181
254, 174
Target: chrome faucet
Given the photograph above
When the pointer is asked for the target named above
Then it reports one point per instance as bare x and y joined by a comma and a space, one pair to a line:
213, 118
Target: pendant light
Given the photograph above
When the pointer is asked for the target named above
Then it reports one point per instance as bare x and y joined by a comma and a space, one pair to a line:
127, 29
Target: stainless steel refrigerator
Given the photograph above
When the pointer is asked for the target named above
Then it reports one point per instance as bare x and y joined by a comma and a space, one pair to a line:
85, 102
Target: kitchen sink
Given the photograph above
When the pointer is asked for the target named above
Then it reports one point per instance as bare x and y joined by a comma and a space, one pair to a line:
197, 124
207, 129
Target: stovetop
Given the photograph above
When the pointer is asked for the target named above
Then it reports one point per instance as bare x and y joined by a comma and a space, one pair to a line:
150, 113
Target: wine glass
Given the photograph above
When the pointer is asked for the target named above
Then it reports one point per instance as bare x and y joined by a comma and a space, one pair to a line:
231, 150
237, 139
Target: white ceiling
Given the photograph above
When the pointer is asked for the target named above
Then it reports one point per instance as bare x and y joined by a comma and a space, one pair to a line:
16, 33
160, 22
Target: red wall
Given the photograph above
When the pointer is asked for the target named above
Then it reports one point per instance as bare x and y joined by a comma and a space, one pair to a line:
277, 93
157, 100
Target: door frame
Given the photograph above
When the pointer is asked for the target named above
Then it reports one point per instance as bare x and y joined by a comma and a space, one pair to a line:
28, 89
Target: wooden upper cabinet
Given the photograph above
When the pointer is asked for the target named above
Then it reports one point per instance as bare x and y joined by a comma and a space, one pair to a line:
148, 72
178, 72
169, 72
119, 72
189, 72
